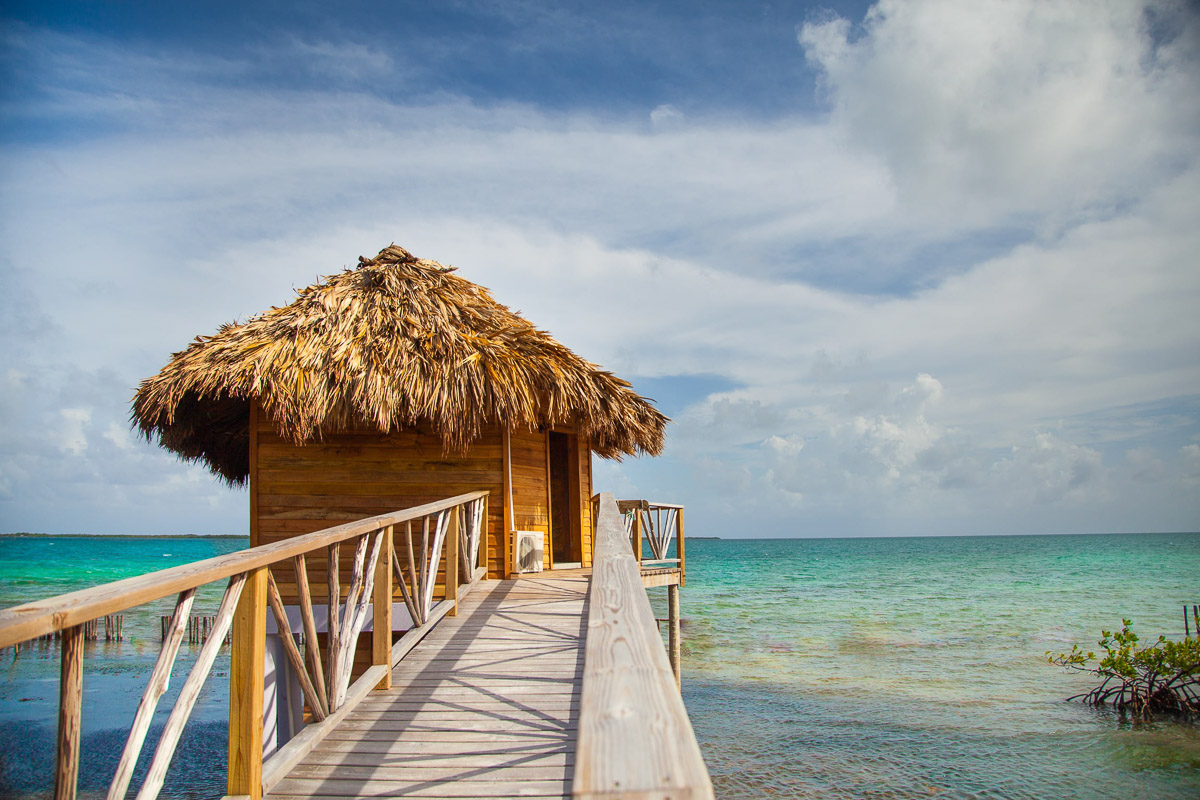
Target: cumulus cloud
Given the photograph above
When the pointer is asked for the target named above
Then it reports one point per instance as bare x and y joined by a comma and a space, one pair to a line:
665, 116
1006, 379
995, 109
1050, 470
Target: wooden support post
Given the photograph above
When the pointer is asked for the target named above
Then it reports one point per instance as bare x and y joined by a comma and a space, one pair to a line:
452, 561
484, 527
70, 713
312, 647
673, 631
247, 659
637, 535
679, 549
508, 514
333, 615
381, 623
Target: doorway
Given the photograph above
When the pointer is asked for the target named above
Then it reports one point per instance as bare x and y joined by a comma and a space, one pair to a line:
564, 516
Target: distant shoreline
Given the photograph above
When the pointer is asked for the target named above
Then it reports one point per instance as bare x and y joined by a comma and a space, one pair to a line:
28, 535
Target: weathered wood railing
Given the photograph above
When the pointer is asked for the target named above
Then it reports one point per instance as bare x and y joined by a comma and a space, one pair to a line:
635, 739
659, 524
455, 525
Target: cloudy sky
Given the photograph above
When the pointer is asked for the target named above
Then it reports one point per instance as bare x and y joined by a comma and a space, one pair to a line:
923, 267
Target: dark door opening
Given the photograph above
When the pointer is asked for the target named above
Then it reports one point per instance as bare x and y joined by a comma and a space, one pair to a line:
563, 525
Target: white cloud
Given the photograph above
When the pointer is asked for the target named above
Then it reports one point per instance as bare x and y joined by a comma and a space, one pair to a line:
665, 116
74, 420
1050, 470
990, 109
1005, 385
1190, 455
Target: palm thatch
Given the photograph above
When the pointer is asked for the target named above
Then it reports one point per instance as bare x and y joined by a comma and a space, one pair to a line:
398, 342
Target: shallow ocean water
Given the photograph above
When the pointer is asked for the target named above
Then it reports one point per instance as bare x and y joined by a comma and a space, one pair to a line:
915, 667
115, 673
842, 668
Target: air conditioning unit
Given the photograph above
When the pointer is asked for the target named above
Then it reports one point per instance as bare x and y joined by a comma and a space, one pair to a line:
529, 548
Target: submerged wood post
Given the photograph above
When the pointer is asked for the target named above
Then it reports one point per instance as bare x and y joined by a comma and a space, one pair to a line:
247, 659
381, 623
673, 631
70, 713
452, 562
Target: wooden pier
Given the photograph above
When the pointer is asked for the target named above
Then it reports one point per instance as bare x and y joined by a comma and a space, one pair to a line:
550, 685
487, 705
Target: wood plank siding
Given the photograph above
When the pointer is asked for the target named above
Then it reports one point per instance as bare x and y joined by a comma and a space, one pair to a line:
530, 485
358, 473
587, 524
300, 489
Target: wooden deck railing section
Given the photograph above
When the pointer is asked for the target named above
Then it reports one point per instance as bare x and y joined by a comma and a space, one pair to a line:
635, 739
658, 524
454, 525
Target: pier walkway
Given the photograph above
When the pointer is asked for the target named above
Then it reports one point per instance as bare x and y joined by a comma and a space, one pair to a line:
486, 705
548, 685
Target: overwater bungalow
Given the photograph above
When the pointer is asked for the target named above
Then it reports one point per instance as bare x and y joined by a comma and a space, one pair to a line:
395, 384
412, 447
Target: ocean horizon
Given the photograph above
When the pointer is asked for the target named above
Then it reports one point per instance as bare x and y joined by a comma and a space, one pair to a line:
897, 667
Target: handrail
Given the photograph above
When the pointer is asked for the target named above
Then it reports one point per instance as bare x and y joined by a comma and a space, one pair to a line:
635, 739
660, 523
455, 526
30, 620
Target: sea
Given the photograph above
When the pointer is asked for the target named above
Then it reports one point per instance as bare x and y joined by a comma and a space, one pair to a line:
812, 668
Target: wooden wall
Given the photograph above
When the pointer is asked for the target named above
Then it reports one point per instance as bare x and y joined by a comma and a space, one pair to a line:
530, 485
360, 473
348, 476
587, 523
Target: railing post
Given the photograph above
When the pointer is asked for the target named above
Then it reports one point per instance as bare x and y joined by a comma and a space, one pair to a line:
679, 549
637, 534
483, 540
70, 712
247, 658
452, 561
381, 623
673, 631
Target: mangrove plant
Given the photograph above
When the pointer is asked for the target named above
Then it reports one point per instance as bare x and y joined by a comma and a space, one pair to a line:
1141, 681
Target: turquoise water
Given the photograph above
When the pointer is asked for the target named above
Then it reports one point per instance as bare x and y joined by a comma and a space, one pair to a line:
115, 673
856, 668
905, 668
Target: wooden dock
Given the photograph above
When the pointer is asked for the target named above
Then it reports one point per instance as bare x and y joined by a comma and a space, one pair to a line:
487, 705
549, 685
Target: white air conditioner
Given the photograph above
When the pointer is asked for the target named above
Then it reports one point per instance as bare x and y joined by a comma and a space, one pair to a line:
529, 548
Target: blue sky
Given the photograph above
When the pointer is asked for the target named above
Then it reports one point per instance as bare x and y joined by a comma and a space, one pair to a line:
895, 268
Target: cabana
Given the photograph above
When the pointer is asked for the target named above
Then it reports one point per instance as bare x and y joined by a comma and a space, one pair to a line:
394, 384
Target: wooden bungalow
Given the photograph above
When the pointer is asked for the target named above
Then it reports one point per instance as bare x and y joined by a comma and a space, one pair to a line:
391, 385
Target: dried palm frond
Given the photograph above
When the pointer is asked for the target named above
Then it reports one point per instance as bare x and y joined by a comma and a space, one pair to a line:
398, 342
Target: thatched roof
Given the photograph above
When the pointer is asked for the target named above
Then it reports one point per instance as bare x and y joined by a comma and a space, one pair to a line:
398, 342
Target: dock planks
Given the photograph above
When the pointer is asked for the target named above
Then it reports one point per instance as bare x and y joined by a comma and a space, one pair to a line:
487, 705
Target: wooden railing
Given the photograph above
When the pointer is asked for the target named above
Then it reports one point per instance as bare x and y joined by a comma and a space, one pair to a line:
455, 525
658, 524
635, 739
